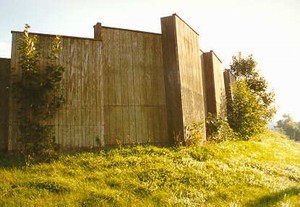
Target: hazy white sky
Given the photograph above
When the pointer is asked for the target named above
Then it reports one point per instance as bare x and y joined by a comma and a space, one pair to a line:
268, 29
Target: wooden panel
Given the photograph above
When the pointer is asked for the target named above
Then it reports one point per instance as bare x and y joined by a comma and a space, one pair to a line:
219, 85
214, 82
209, 83
172, 78
78, 122
127, 87
114, 89
229, 80
4, 86
140, 89
13, 130
136, 60
190, 73
139, 92
183, 75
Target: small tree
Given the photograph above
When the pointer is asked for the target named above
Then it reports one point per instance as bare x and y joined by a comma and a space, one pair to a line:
39, 96
252, 105
288, 126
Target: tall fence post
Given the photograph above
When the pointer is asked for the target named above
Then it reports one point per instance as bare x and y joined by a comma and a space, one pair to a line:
183, 76
4, 82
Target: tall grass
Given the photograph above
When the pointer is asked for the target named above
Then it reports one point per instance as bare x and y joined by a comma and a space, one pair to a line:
264, 171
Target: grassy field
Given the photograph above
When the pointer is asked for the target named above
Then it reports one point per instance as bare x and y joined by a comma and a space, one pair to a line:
264, 171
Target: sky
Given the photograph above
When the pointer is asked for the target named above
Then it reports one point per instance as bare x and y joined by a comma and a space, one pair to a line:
268, 29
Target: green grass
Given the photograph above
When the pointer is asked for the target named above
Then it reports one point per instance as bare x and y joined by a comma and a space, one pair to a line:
264, 171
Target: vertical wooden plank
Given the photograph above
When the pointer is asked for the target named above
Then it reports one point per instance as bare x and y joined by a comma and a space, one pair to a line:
13, 129
148, 75
147, 68
61, 61
141, 115
89, 89
108, 82
156, 89
105, 38
96, 58
132, 83
99, 59
73, 113
127, 86
81, 108
66, 61
111, 71
112, 88
4, 81
96, 47
160, 127
119, 132
137, 84
141, 69
72, 100
67, 54
117, 67
92, 91
106, 64
84, 95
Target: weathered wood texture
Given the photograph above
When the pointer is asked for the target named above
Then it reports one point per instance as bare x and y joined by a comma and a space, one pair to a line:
209, 84
113, 89
4, 86
203, 81
172, 78
229, 80
183, 75
214, 84
220, 87
79, 122
134, 96
128, 87
192, 93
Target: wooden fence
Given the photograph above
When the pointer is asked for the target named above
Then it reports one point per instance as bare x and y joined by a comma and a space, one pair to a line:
113, 89
123, 86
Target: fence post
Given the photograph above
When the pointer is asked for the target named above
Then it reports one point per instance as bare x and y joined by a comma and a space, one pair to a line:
4, 92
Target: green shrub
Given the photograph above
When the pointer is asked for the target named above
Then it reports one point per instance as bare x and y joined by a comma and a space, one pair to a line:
218, 129
252, 105
194, 134
245, 114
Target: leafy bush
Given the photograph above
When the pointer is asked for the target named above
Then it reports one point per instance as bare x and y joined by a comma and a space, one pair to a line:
289, 127
245, 113
194, 134
218, 129
38, 94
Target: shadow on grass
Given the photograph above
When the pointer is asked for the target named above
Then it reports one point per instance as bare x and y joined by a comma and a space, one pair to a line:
8, 161
273, 198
